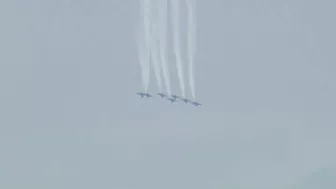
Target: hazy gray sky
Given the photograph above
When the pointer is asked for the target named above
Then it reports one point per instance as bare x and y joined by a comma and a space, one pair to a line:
265, 73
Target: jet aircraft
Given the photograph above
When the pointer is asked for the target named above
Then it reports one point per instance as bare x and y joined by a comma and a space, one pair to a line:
148, 95
175, 97
161, 95
144, 95
141, 94
185, 100
171, 100
196, 103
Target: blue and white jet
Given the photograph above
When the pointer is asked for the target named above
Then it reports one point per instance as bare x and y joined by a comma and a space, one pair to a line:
162, 95
148, 95
176, 97
144, 95
196, 103
171, 100
185, 100
141, 94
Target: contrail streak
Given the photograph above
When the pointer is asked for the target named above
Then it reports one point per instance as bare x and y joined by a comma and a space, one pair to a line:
162, 22
175, 23
142, 44
144, 63
154, 44
191, 45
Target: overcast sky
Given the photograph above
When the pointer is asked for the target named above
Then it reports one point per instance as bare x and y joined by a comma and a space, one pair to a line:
69, 116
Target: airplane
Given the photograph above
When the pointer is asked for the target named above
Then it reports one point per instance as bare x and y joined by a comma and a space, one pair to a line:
161, 95
176, 97
185, 100
171, 100
196, 103
144, 95
141, 94
148, 95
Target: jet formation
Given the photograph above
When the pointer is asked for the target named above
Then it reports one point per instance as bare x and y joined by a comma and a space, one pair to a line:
172, 98
142, 95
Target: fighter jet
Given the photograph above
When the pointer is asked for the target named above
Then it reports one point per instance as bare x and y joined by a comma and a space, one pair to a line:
171, 100
141, 94
148, 95
176, 97
162, 95
196, 103
144, 95
185, 100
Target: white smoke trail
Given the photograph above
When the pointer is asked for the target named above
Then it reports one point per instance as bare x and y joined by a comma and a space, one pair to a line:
162, 22
144, 61
176, 29
142, 44
191, 44
154, 43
